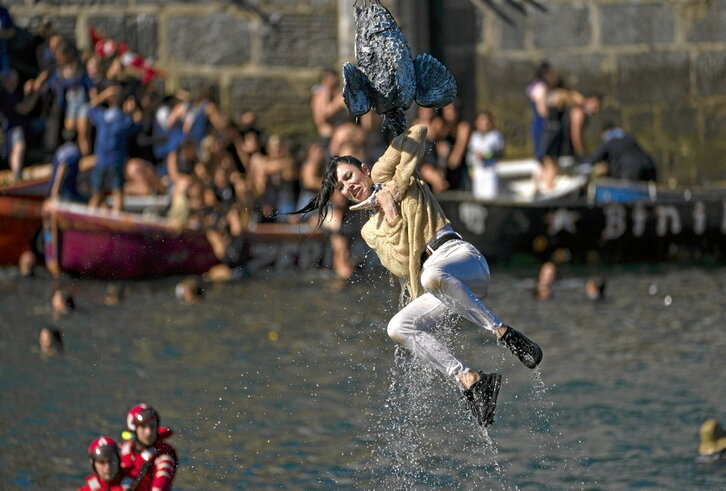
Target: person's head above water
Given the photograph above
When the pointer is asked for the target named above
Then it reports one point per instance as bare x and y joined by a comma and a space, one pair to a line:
348, 175
713, 437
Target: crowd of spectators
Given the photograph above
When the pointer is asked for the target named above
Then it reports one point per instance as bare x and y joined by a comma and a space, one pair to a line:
219, 169
560, 115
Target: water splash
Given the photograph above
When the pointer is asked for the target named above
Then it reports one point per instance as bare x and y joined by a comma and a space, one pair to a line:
548, 442
423, 428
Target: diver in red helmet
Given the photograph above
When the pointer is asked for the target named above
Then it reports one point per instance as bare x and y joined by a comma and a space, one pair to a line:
146, 456
106, 465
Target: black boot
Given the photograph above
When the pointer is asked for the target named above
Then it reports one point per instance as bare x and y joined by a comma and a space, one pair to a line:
522, 347
481, 398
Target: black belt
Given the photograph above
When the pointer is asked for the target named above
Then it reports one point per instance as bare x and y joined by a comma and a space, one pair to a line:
436, 243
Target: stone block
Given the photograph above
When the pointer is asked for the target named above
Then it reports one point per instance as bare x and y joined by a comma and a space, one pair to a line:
317, 4
679, 120
636, 23
640, 123
200, 84
715, 125
170, 2
277, 101
711, 73
278, 4
706, 21
516, 130
503, 80
301, 40
84, 3
138, 31
214, 39
563, 25
512, 36
64, 25
607, 115
585, 73
460, 25
652, 77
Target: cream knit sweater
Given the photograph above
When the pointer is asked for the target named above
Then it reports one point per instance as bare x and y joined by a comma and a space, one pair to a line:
399, 244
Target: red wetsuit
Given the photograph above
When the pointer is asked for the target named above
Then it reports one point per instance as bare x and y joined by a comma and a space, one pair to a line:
161, 459
121, 483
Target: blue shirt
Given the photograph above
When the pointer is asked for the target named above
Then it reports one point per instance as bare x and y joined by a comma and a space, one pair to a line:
69, 155
78, 86
113, 130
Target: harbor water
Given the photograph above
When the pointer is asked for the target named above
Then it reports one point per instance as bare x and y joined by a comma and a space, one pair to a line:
291, 381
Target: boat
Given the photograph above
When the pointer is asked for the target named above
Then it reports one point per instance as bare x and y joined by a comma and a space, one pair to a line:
20, 212
21, 204
98, 243
607, 220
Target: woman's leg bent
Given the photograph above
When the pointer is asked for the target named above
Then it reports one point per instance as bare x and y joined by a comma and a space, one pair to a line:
410, 328
458, 275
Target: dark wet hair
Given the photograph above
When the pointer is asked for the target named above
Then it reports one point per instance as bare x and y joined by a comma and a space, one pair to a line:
321, 201
56, 338
68, 301
67, 297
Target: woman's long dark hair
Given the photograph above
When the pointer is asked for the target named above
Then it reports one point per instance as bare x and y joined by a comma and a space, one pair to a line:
321, 201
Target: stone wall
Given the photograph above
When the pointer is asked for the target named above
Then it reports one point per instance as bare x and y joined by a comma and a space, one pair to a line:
660, 63
265, 58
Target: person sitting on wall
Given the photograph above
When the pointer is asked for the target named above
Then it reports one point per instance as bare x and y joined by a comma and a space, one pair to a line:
624, 157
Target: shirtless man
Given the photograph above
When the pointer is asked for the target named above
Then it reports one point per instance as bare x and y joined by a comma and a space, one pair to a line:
327, 106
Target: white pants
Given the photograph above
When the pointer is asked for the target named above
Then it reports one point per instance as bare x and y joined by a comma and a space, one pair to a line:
455, 277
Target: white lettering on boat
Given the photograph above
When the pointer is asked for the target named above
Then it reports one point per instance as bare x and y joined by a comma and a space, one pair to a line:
640, 219
285, 256
667, 215
474, 217
699, 218
563, 219
615, 225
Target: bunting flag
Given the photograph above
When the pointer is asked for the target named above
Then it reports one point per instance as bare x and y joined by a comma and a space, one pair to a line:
105, 47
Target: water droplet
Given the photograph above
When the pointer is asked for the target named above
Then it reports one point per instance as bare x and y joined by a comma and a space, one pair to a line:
668, 300
653, 289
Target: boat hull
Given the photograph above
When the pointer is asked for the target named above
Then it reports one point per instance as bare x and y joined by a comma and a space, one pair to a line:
21, 204
100, 244
20, 225
612, 232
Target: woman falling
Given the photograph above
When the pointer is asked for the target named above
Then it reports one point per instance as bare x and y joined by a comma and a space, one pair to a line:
441, 273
